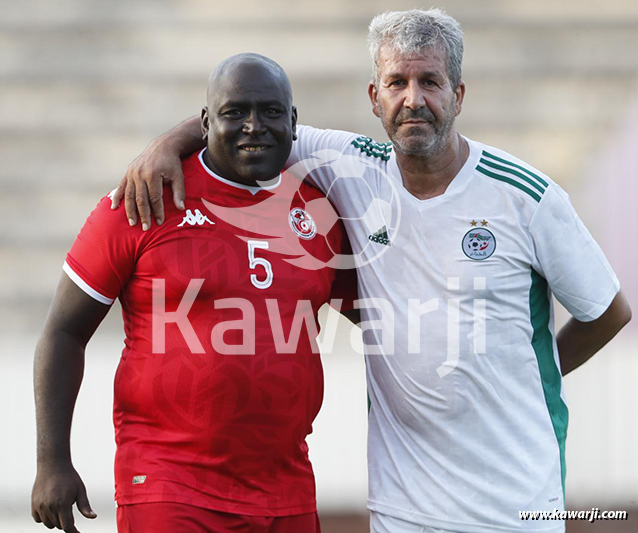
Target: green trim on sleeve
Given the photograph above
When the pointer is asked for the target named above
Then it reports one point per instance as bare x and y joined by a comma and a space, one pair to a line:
551, 378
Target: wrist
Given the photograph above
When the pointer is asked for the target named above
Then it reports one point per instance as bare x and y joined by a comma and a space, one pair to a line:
50, 461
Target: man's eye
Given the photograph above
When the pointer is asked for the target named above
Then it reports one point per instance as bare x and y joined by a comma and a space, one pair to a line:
274, 112
397, 83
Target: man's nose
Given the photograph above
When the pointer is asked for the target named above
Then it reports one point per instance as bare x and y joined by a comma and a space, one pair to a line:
414, 97
253, 124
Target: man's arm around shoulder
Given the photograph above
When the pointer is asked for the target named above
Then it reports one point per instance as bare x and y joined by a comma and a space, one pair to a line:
158, 165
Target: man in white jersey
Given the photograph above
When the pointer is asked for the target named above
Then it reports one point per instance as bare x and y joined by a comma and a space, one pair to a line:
468, 419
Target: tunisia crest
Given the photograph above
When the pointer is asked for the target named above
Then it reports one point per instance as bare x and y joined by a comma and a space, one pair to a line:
302, 223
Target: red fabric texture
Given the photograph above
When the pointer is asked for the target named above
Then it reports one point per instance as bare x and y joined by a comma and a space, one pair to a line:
223, 430
174, 518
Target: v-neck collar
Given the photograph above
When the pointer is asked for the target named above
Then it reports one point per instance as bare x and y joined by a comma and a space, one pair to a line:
458, 183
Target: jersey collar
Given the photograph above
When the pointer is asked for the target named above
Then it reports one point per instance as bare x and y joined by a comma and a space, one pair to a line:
457, 185
267, 185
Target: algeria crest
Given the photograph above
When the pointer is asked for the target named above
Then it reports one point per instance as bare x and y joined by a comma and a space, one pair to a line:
302, 223
479, 244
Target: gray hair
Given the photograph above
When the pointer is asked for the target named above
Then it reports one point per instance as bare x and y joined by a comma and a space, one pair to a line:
411, 31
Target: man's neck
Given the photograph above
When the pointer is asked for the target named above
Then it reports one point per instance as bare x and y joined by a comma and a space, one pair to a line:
428, 177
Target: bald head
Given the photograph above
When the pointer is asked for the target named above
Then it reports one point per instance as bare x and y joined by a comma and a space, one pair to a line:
249, 122
235, 70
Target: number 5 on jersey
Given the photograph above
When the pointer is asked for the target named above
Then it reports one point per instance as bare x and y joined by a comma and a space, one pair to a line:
259, 261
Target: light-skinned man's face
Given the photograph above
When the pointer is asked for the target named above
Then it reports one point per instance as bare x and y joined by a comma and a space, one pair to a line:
415, 100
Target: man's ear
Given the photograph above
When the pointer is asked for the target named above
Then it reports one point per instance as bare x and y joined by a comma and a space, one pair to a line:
374, 98
205, 124
294, 123
459, 94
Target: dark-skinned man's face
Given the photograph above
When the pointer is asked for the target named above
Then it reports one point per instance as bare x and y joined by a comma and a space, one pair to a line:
250, 123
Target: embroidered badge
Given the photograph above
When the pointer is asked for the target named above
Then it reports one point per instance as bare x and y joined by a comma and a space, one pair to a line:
479, 244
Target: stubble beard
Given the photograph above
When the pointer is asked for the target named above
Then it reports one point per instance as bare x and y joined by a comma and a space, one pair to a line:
415, 143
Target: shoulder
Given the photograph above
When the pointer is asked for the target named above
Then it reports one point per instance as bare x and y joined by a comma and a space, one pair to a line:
109, 229
308, 191
344, 141
319, 139
110, 219
192, 163
544, 201
511, 174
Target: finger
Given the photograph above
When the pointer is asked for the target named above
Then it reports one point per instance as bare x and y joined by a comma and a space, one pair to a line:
83, 504
36, 516
129, 203
50, 517
67, 522
117, 196
143, 205
155, 195
47, 519
179, 194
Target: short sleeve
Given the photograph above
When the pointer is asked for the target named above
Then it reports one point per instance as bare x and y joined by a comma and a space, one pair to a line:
571, 261
102, 258
313, 147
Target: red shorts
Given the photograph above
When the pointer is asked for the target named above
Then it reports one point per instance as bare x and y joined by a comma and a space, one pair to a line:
169, 517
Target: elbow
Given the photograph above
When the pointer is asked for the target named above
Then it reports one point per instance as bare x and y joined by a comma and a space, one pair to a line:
627, 316
623, 310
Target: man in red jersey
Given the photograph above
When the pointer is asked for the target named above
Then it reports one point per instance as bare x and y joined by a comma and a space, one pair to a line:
211, 406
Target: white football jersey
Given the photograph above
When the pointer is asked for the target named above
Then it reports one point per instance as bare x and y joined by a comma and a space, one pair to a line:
468, 418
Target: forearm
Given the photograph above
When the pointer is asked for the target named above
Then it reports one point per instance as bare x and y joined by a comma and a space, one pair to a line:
576, 345
58, 372
579, 341
183, 139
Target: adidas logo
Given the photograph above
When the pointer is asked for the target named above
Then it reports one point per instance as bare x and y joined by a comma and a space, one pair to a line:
195, 219
381, 236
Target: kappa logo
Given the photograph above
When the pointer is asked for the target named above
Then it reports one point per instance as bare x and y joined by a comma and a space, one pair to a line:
381, 236
196, 219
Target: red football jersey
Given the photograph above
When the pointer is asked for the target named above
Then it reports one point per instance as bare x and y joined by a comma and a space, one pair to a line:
220, 378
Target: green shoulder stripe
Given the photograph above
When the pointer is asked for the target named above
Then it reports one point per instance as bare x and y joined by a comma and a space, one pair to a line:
509, 163
513, 182
513, 172
373, 149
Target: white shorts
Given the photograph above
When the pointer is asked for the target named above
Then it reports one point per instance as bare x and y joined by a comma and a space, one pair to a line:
382, 523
